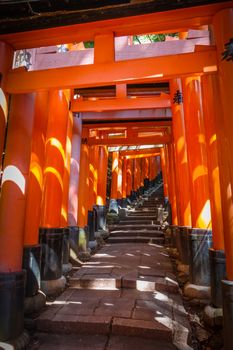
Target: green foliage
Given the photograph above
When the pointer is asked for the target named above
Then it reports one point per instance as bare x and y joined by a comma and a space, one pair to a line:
88, 44
151, 38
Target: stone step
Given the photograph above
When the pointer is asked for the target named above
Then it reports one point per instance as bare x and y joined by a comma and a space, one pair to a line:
138, 218
133, 227
95, 282
142, 232
130, 221
136, 239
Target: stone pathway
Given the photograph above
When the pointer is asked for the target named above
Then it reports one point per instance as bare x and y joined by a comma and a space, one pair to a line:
125, 297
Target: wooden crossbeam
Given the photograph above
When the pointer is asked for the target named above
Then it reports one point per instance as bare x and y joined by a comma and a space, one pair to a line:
120, 104
139, 152
139, 115
130, 141
152, 123
131, 71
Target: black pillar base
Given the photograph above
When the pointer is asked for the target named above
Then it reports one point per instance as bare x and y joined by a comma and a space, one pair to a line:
32, 265
66, 265
113, 206
218, 273
51, 240
101, 217
200, 240
227, 296
74, 239
184, 244
91, 224
11, 305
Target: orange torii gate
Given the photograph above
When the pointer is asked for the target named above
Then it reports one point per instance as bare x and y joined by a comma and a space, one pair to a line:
204, 71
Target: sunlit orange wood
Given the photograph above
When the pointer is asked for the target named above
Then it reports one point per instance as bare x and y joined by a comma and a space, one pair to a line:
66, 176
168, 21
129, 71
164, 171
197, 161
102, 175
210, 110
136, 174
108, 54
74, 172
14, 183
146, 168
35, 181
172, 183
129, 176
115, 159
54, 159
181, 165
119, 178
124, 177
163, 116
115, 104
140, 152
93, 175
83, 186
120, 141
223, 31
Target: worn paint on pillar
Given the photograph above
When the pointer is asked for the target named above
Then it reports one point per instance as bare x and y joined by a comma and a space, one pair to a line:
74, 171
223, 32
6, 57
115, 158
129, 176
197, 159
164, 171
66, 176
54, 159
119, 179
210, 110
83, 187
93, 175
180, 149
172, 183
14, 182
35, 181
102, 175
124, 177
158, 158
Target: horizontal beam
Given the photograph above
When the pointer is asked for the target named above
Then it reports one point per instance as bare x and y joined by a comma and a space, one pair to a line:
139, 152
140, 115
130, 141
152, 123
131, 71
167, 21
121, 104
144, 155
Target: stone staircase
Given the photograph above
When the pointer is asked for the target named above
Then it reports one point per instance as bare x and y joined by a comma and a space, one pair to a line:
127, 293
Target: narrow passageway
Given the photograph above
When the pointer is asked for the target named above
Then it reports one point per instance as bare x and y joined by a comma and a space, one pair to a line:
125, 297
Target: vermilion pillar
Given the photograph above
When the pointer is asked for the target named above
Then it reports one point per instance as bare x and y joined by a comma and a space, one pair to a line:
115, 159
83, 181
210, 115
197, 161
35, 182
54, 160
74, 171
180, 149
102, 175
129, 176
93, 176
124, 177
223, 32
14, 182
146, 163
164, 171
158, 158
119, 179
66, 176
12, 215
172, 182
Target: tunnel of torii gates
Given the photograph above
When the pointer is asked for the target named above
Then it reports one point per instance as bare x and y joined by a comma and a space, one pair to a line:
56, 144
